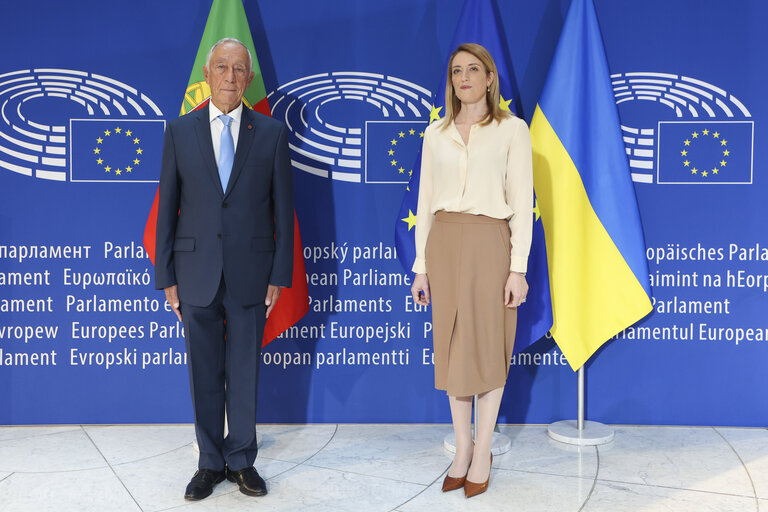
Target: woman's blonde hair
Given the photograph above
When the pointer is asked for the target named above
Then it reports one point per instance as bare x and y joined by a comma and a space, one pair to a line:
452, 102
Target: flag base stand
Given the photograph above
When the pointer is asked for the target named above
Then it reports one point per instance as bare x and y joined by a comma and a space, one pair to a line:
580, 432
500, 443
593, 433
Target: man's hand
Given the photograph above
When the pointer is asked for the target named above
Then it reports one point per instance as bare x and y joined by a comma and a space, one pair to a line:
172, 296
273, 292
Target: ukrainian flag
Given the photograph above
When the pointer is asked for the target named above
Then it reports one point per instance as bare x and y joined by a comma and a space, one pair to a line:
595, 248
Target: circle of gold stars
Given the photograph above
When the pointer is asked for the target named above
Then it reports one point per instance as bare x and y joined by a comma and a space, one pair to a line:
695, 138
115, 132
393, 149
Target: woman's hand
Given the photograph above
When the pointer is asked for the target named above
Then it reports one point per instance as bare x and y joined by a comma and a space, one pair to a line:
515, 290
420, 290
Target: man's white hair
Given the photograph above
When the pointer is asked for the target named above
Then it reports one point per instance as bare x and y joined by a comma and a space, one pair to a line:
229, 40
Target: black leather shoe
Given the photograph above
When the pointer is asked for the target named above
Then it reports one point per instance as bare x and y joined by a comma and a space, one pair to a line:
249, 481
202, 484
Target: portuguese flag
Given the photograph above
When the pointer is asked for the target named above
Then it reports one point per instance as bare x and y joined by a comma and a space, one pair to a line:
227, 19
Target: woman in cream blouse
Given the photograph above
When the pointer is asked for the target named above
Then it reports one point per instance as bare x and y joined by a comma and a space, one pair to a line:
473, 234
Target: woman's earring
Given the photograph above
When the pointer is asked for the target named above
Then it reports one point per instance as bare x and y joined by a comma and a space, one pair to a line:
488, 89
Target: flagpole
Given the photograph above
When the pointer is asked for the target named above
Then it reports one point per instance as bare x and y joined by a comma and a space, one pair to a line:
500, 443
580, 432
580, 399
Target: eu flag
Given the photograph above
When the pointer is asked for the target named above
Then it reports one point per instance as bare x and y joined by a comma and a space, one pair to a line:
595, 246
390, 150
478, 24
116, 150
705, 152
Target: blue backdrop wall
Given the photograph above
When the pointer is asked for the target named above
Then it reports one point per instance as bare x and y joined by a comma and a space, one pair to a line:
84, 338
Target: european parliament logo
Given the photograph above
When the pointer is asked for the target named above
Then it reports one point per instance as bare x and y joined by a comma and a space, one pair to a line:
695, 133
353, 126
49, 122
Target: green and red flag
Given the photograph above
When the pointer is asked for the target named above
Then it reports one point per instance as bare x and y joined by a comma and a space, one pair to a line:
227, 19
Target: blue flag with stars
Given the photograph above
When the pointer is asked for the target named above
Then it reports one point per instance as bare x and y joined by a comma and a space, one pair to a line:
390, 150
705, 152
106, 150
478, 24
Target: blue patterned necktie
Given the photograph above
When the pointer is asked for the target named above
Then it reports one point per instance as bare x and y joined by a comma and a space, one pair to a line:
226, 152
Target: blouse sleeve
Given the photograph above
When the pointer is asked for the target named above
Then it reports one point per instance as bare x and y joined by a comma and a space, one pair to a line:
424, 215
519, 194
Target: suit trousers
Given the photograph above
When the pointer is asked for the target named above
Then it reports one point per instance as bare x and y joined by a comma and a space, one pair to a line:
223, 343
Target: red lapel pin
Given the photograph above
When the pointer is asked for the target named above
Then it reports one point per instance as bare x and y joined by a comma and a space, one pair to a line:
250, 127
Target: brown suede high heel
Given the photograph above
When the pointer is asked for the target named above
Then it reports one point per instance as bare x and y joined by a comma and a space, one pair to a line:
452, 483
473, 489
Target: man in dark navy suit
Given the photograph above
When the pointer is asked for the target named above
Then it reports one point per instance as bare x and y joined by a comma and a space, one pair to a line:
224, 250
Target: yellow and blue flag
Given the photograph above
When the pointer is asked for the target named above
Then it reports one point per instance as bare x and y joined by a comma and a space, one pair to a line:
595, 246
478, 24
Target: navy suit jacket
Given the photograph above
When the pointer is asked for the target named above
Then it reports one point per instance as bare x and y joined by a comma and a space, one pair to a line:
244, 233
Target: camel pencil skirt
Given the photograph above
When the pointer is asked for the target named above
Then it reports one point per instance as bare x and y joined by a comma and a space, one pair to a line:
473, 332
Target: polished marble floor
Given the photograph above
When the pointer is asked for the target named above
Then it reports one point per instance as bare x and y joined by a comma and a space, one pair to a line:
370, 468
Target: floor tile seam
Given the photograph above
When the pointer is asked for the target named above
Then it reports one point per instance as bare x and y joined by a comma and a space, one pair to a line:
547, 473
6, 476
594, 480
58, 471
188, 445
74, 429
421, 491
275, 459
112, 469
295, 465
303, 462
333, 435
366, 474
608, 480
743, 465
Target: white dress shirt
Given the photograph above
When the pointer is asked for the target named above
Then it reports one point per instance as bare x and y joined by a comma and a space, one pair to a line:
491, 175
